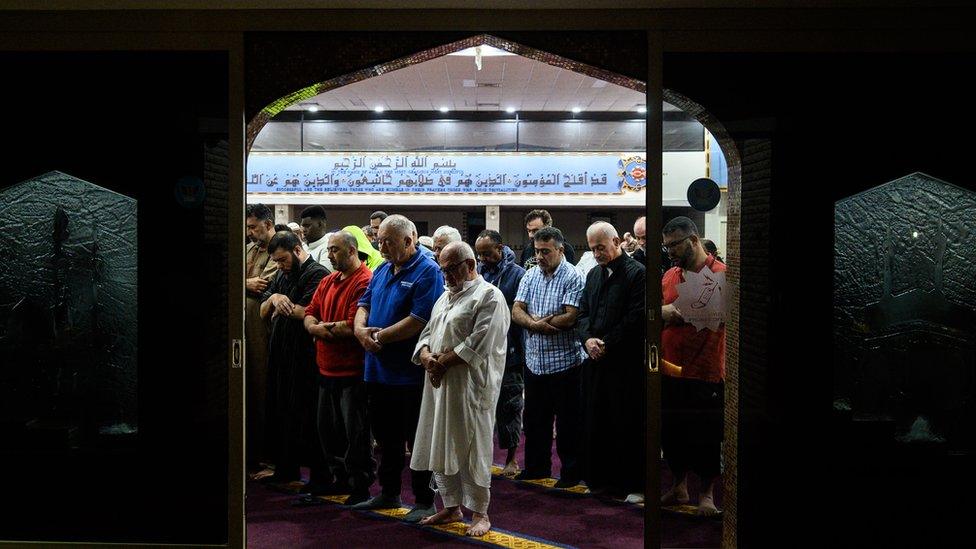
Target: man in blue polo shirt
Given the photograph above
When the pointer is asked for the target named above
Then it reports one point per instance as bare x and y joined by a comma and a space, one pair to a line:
546, 305
392, 312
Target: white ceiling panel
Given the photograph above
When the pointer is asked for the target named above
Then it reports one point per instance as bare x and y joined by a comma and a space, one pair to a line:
523, 83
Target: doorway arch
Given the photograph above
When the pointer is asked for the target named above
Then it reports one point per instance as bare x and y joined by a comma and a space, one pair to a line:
257, 123
733, 274
715, 127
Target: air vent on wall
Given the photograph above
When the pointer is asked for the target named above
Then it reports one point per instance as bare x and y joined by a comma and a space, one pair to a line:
489, 84
480, 104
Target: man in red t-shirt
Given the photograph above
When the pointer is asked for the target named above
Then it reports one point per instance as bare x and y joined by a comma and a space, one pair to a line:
343, 431
693, 387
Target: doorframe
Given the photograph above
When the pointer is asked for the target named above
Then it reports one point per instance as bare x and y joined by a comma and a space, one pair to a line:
231, 43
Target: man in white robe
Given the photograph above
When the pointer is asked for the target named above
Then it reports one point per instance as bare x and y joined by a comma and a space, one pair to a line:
463, 349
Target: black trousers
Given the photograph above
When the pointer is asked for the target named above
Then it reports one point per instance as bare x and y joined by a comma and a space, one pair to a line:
344, 432
614, 424
692, 425
394, 411
508, 413
547, 396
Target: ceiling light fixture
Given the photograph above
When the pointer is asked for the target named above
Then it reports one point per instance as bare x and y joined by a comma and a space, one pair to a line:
379, 109
313, 108
576, 110
642, 109
510, 110
444, 109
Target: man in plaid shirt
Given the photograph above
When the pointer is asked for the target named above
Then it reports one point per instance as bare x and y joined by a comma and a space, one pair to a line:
546, 305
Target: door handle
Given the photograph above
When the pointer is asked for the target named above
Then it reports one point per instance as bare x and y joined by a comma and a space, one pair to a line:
237, 352
652, 356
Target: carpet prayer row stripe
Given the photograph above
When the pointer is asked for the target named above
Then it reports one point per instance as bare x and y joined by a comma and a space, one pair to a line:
495, 537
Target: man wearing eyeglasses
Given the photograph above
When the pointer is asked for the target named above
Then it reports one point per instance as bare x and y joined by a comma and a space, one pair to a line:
546, 305
693, 389
392, 312
463, 350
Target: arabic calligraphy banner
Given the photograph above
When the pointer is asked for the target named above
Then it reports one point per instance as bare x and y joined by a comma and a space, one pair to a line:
434, 173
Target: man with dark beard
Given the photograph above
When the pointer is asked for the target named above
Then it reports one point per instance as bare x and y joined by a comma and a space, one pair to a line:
293, 387
693, 389
496, 264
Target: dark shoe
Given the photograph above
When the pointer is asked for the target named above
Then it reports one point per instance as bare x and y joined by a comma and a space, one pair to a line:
419, 512
526, 475
378, 502
356, 498
566, 483
306, 501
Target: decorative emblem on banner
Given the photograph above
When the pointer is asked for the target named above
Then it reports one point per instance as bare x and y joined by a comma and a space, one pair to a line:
190, 192
633, 172
701, 299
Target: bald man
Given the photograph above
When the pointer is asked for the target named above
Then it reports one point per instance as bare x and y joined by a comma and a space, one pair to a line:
463, 349
611, 329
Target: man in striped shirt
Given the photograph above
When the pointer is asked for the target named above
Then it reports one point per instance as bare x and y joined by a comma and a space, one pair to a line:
546, 305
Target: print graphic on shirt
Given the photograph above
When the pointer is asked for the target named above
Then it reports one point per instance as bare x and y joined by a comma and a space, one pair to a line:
701, 299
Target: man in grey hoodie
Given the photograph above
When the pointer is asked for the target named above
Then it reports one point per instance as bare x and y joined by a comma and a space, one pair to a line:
496, 264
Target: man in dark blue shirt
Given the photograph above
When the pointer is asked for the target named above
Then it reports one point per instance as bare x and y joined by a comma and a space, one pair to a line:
496, 263
392, 312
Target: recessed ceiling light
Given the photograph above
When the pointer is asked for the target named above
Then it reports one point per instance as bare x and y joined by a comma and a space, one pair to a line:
510, 110
444, 109
576, 110
642, 109
313, 108
379, 109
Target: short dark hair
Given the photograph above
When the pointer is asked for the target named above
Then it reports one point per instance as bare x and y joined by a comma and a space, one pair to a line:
710, 246
546, 234
681, 223
260, 212
314, 212
378, 214
286, 240
539, 214
494, 236
282, 227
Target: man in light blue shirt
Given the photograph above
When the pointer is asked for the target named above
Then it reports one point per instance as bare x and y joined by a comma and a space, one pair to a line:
546, 305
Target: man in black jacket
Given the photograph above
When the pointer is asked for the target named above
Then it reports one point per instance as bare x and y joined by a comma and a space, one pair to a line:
292, 370
611, 328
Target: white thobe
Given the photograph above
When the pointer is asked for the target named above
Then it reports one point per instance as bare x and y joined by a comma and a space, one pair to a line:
454, 433
319, 250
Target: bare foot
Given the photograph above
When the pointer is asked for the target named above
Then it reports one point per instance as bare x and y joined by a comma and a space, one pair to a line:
511, 469
678, 495
706, 507
479, 525
444, 516
263, 473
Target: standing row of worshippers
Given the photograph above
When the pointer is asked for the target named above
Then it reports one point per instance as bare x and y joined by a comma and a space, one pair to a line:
429, 353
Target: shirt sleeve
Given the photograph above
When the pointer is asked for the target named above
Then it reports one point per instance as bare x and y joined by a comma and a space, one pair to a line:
357, 294
313, 307
523, 289
424, 339
583, 318
272, 288
310, 287
489, 333
574, 289
364, 300
426, 289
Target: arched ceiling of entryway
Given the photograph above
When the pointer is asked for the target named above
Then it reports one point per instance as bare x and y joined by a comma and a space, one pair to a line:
635, 63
